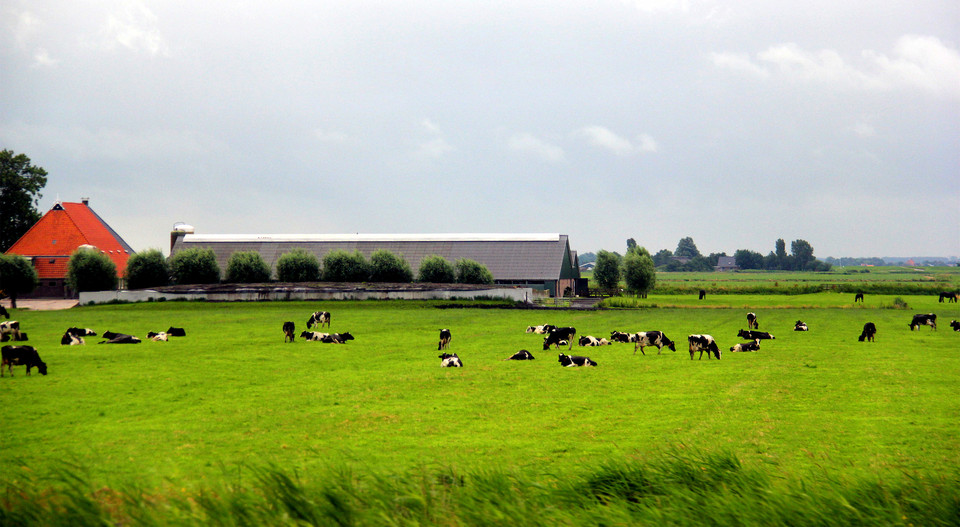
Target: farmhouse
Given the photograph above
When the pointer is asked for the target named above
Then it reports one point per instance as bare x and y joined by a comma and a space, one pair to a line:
726, 263
61, 231
539, 261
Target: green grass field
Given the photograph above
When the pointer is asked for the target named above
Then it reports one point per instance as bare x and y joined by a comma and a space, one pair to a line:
231, 407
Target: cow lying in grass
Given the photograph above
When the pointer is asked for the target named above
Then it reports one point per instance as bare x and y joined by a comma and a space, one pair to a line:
800, 326
589, 340
119, 338
10, 330
955, 325
21, 356
448, 360
521, 355
754, 335
570, 361
619, 336
540, 330
157, 337
74, 336
746, 346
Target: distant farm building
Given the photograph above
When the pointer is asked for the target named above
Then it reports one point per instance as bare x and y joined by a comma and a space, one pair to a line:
539, 261
61, 231
726, 263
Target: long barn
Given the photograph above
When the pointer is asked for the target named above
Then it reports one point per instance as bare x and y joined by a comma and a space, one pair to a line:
539, 261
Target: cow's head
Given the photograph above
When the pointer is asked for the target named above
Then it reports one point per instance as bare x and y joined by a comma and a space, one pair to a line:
42, 368
670, 344
346, 336
742, 334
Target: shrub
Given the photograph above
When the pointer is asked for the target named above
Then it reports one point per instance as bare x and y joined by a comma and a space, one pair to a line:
247, 267
388, 267
298, 265
17, 276
341, 266
195, 266
436, 269
472, 272
91, 270
607, 269
147, 269
639, 273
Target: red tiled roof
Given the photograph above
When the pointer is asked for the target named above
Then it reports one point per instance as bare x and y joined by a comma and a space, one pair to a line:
64, 228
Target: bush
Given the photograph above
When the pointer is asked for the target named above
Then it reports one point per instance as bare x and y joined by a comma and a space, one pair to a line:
17, 276
436, 269
341, 266
91, 270
195, 266
247, 267
472, 272
147, 269
639, 273
607, 270
298, 265
388, 267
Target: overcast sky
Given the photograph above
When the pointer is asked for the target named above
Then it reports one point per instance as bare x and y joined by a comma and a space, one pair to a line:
735, 123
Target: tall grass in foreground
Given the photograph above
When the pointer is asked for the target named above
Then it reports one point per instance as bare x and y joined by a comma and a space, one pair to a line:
712, 489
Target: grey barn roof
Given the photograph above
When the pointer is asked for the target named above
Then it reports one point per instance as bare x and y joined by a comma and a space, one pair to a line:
509, 257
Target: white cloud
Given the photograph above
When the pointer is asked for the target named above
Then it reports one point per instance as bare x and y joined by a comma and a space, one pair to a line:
920, 61
134, 28
604, 138
333, 137
41, 58
738, 62
436, 146
646, 143
26, 28
864, 130
527, 143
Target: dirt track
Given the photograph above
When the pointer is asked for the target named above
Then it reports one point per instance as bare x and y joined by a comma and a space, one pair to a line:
42, 304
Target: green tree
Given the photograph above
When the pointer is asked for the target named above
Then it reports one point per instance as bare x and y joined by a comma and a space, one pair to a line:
195, 266
781, 254
631, 244
607, 270
663, 257
17, 277
298, 265
639, 272
747, 259
247, 267
388, 267
91, 270
343, 266
20, 185
435, 269
472, 272
686, 249
802, 253
147, 269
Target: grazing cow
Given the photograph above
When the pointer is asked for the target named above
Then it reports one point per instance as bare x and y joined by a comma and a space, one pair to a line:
752, 321
858, 297
445, 338
589, 340
288, 331
450, 361
3, 313
569, 361
157, 337
10, 330
800, 326
955, 325
320, 317
176, 332
521, 355
336, 338
754, 335
651, 338
315, 336
869, 330
557, 335
950, 296
746, 346
540, 330
119, 338
70, 340
21, 356
703, 343
619, 336
923, 320
703, 294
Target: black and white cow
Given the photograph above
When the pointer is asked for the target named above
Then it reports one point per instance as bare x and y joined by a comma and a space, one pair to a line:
157, 337
746, 346
800, 326
315, 336
69, 340
619, 336
950, 296
651, 338
10, 330
289, 330
703, 343
858, 297
923, 320
590, 340
321, 318
82, 332
540, 330
448, 360
445, 338
176, 332
570, 361
337, 338
3, 313
754, 335
21, 356
557, 335
869, 330
955, 325
119, 338
752, 321
521, 355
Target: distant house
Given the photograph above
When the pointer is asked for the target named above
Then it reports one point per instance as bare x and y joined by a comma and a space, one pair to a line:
61, 231
726, 263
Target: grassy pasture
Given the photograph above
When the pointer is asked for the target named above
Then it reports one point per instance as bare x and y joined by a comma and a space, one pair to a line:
208, 409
